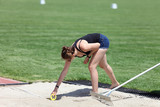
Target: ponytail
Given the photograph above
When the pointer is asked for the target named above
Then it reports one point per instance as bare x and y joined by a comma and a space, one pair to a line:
67, 53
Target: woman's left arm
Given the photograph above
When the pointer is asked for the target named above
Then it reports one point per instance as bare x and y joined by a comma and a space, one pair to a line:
85, 46
93, 47
88, 56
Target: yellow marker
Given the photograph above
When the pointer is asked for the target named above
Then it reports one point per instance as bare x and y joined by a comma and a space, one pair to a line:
53, 97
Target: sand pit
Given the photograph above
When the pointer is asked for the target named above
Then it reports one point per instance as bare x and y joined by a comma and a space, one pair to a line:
69, 95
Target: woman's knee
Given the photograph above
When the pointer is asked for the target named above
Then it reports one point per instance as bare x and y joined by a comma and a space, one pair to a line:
101, 66
91, 67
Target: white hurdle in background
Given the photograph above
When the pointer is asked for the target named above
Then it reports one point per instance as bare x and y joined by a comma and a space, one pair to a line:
42, 2
114, 6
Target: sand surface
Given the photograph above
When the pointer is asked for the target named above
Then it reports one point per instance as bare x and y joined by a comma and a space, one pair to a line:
69, 95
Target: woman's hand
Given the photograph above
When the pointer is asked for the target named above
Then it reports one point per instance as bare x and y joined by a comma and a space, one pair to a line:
54, 92
53, 95
86, 60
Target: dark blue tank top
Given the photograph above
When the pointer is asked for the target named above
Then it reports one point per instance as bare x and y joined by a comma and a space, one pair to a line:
90, 38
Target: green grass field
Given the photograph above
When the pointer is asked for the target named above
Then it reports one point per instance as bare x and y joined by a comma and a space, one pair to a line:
31, 37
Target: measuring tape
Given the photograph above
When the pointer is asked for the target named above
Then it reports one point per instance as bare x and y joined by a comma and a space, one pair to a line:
53, 97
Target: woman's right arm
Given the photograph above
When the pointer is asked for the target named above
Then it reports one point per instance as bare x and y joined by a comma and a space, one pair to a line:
62, 75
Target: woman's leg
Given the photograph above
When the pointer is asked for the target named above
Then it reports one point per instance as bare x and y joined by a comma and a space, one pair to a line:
96, 58
104, 65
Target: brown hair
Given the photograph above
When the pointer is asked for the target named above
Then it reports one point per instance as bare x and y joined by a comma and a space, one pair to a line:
67, 53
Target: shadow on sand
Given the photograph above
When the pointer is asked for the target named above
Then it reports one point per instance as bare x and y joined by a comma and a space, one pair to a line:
77, 93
